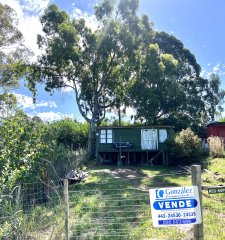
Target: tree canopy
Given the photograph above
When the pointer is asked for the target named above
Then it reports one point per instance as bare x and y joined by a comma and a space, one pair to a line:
174, 94
94, 63
124, 62
13, 53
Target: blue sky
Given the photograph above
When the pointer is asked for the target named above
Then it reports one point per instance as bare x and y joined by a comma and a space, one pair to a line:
199, 24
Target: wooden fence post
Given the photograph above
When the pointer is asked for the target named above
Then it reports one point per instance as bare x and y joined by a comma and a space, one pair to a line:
196, 181
66, 202
18, 196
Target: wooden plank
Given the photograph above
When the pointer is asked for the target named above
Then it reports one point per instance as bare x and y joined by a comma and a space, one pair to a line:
196, 181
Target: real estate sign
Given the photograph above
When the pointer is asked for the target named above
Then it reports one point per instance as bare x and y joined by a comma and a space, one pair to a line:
175, 206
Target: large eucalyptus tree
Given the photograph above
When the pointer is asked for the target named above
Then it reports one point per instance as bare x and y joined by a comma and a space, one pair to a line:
123, 62
95, 64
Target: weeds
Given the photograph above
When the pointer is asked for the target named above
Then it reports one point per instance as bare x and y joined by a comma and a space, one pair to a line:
113, 206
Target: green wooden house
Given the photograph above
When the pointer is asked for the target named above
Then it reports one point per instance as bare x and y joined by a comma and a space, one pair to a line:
132, 145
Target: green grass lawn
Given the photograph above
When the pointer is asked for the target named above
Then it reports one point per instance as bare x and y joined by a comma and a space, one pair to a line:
114, 204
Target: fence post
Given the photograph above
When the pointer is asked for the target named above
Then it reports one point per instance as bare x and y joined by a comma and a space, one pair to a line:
66, 202
196, 181
18, 195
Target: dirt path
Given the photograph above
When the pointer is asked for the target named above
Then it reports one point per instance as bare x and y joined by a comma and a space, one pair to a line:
127, 174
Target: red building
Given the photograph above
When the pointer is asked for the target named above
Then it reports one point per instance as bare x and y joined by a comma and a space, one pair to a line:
216, 129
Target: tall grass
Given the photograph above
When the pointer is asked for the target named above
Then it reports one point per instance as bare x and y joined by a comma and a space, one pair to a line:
114, 204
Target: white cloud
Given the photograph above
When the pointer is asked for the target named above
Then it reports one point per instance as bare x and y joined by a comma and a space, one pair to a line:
219, 69
216, 68
27, 7
34, 6
30, 27
90, 20
206, 73
28, 12
51, 116
69, 85
130, 111
27, 102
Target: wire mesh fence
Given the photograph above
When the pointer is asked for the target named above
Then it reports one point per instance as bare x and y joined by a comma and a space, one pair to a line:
116, 209
111, 205
32, 211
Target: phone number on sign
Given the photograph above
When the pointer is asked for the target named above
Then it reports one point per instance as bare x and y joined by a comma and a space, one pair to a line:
176, 221
177, 215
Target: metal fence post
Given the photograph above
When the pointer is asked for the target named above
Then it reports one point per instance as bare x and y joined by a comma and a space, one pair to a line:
66, 202
196, 181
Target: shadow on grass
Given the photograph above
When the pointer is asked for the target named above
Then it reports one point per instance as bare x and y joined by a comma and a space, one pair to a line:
114, 203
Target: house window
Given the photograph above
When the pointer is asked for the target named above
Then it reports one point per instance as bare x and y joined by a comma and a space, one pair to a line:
149, 139
162, 135
106, 136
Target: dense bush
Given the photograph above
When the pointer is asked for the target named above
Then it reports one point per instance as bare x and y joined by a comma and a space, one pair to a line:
22, 146
70, 133
184, 147
31, 150
216, 146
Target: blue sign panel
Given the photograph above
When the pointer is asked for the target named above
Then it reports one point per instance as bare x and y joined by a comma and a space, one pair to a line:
175, 204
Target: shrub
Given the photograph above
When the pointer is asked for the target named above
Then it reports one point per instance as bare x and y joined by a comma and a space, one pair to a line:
70, 133
184, 146
216, 146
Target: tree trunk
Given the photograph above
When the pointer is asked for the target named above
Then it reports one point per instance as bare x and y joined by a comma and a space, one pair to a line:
91, 140
119, 115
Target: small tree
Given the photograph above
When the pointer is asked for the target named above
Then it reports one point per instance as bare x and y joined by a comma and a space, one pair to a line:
185, 146
71, 133
216, 146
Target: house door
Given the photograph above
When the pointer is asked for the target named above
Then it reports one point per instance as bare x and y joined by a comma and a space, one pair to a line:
149, 139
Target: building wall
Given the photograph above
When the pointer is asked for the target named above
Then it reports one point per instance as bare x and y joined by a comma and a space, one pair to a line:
127, 134
215, 131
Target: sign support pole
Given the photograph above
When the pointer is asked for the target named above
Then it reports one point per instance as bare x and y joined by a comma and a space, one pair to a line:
196, 181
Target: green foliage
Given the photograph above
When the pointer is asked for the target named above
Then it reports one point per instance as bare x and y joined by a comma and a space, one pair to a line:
22, 145
216, 147
13, 54
70, 133
96, 64
114, 122
31, 150
170, 90
222, 119
12, 229
184, 147
152, 95
124, 63
7, 104
214, 97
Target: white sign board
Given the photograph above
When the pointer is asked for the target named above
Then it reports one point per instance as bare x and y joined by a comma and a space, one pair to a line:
175, 206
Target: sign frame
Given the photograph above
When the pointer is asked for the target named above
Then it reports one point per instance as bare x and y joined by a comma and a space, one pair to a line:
173, 206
